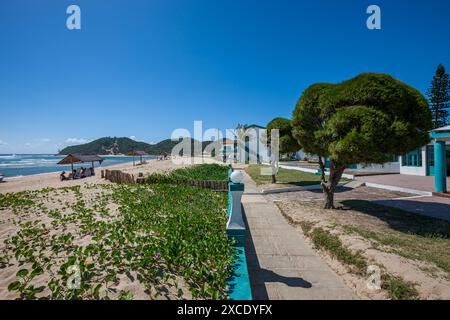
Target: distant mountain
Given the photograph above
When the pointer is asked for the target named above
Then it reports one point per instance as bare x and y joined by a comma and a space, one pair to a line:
114, 146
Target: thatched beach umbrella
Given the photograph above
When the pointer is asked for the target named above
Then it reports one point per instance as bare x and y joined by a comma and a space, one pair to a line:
80, 158
139, 154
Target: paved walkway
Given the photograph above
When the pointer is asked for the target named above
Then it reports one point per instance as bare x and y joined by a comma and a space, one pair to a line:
281, 265
436, 207
404, 181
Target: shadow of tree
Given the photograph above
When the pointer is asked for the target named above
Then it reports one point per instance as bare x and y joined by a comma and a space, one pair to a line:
338, 190
404, 221
270, 276
259, 276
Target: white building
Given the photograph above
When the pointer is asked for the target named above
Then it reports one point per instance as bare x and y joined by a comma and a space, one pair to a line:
251, 147
420, 162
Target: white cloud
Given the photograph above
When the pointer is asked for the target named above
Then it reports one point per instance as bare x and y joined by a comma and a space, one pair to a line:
28, 144
76, 140
133, 137
45, 140
3, 143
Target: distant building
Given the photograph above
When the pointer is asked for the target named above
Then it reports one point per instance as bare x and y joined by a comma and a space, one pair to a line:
421, 162
252, 149
228, 150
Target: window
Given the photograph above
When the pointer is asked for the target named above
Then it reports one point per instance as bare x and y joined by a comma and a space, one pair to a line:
413, 158
430, 156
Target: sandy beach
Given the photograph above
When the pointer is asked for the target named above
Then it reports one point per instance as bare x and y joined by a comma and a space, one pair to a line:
44, 180
63, 212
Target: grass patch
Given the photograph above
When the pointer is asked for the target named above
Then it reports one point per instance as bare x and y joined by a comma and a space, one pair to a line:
383, 239
285, 176
211, 172
407, 234
324, 240
306, 226
398, 289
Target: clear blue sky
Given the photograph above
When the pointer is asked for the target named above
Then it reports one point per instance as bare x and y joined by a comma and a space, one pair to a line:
143, 68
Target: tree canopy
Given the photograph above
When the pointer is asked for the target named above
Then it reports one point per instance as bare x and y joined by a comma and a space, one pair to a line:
367, 119
287, 143
439, 97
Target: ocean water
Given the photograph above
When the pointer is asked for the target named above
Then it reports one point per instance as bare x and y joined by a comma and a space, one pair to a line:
16, 165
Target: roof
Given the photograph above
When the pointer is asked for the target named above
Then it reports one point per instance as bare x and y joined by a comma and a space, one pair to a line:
254, 126
446, 128
80, 158
228, 141
137, 153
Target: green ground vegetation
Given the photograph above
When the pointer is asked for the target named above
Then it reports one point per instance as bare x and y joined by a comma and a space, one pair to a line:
284, 176
170, 239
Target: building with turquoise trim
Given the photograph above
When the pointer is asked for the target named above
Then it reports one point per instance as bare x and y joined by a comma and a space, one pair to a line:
252, 150
422, 161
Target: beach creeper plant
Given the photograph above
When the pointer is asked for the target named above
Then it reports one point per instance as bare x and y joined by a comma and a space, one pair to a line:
171, 240
211, 172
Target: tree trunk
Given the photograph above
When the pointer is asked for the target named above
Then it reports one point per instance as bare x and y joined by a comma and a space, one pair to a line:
329, 199
329, 187
274, 169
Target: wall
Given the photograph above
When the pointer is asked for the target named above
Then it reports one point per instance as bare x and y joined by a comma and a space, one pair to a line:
255, 146
385, 167
416, 171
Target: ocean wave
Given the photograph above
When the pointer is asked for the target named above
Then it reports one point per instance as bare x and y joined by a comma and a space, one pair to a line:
13, 156
28, 163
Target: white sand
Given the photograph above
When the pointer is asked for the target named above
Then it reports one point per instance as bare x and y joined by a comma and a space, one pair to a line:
43, 180
59, 200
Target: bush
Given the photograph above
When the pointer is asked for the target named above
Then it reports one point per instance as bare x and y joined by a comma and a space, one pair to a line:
211, 172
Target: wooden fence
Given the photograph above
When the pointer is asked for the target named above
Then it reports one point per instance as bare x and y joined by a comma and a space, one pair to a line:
117, 176
205, 184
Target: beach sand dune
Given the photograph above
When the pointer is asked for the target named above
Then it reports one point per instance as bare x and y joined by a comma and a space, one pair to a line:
45, 180
62, 201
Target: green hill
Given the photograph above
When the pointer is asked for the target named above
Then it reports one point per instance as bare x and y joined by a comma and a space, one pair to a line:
113, 145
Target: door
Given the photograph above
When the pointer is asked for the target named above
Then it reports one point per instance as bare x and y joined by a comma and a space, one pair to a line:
430, 160
247, 150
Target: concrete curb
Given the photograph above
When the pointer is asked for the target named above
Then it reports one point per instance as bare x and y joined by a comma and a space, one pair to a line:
399, 189
294, 189
327, 173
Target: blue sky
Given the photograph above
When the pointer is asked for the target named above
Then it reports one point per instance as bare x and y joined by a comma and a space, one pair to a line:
144, 68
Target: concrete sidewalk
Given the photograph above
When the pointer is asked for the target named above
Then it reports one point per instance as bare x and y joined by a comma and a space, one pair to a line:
281, 265
405, 181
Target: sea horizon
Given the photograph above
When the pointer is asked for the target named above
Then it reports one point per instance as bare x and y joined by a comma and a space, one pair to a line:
15, 165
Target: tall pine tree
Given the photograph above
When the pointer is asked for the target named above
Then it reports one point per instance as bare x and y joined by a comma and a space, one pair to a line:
439, 97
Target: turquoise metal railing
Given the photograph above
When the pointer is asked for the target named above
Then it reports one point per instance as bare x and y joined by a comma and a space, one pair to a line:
239, 283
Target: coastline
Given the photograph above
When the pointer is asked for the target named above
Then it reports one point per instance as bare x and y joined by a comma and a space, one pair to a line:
51, 179
57, 171
43, 164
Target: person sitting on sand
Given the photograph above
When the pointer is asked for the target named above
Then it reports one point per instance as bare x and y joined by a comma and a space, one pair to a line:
71, 175
76, 174
62, 176
92, 171
83, 172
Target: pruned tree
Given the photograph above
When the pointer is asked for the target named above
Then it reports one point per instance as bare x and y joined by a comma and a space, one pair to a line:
367, 119
287, 142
